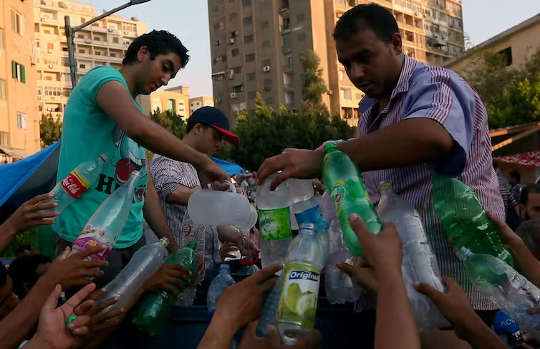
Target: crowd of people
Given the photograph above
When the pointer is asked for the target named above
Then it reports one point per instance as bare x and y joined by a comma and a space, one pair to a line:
415, 119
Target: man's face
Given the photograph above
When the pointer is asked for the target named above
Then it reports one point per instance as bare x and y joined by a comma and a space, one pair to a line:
8, 299
209, 140
372, 65
158, 71
532, 208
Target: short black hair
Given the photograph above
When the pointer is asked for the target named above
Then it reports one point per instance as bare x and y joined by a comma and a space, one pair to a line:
366, 16
159, 42
24, 270
529, 188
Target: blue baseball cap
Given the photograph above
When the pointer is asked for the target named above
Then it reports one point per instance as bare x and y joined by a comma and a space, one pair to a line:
214, 118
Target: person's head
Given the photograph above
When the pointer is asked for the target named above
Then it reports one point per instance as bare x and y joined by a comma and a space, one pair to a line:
529, 231
25, 271
530, 202
206, 129
515, 178
368, 44
155, 58
8, 299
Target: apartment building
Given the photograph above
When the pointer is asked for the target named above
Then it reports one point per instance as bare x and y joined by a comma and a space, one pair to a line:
256, 47
199, 102
174, 100
19, 120
102, 43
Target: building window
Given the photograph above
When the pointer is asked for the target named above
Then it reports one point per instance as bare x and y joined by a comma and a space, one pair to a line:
235, 52
266, 43
21, 121
1, 38
2, 89
237, 70
347, 93
300, 17
265, 24
250, 57
301, 36
252, 94
17, 22
248, 39
82, 66
171, 108
506, 55
248, 20
247, 2
251, 76
3, 138
286, 41
18, 72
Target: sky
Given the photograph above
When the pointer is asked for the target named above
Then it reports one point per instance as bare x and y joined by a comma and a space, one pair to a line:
188, 19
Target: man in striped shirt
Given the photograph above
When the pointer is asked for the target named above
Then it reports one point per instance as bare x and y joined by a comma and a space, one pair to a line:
414, 118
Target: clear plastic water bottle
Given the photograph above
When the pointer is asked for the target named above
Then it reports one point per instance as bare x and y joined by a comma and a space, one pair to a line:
106, 224
153, 311
349, 194
508, 329
144, 263
464, 218
214, 207
80, 179
222, 280
274, 222
511, 291
269, 311
307, 211
419, 263
300, 288
300, 189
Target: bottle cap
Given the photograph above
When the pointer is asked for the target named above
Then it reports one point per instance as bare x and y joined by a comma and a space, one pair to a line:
307, 227
224, 266
329, 147
192, 245
463, 253
164, 241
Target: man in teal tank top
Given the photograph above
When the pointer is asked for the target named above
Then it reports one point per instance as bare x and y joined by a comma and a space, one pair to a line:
103, 117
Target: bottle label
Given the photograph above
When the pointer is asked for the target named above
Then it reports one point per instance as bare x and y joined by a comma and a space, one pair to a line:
299, 293
75, 184
311, 215
91, 237
275, 224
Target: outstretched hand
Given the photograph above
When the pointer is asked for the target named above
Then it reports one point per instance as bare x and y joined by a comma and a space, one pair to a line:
32, 214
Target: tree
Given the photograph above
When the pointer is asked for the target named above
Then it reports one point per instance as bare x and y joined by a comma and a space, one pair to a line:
170, 121
50, 130
313, 86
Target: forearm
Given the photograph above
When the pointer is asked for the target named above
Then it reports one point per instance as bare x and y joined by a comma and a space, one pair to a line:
395, 325
218, 335
7, 233
526, 263
153, 214
182, 194
406, 143
17, 324
480, 336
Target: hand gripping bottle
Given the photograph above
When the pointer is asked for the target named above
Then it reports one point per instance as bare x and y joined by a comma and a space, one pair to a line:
349, 194
144, 263
464, 218
300, 286
71, 187
153, 311
107, 223
419, 263
274, 222
511, 291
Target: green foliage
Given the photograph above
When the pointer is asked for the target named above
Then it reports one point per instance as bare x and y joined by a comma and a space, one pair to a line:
50, 130
313, 86
21, 239
511, 95
170, 121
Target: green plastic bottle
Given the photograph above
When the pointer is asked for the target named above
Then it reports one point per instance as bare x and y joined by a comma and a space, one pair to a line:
153, 311
349, 194
465, 220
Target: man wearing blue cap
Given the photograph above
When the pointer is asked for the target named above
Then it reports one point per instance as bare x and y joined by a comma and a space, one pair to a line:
175, 181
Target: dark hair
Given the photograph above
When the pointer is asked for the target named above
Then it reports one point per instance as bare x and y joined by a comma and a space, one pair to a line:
159, 42
366, 16
24, 270
529, 188
191, 124
3, 275
515, 174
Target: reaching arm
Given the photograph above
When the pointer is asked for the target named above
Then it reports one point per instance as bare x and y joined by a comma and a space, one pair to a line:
116, 102
153, 214
182, 194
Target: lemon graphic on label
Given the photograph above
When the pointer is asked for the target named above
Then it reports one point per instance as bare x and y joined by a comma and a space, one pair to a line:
305, 303
291, 299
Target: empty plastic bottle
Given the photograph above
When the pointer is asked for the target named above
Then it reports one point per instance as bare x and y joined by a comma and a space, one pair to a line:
508, 329
106, 224
349, 194
464, 219
222, 280
300, 288
419, 263
270, 308
153, 311
144, 263
214, 207
307, 211
274, 222
511, 291
72, 186
300, 189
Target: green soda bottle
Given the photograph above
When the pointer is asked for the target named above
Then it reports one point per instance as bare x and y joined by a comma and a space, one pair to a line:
349, 194
465, 220
153, 311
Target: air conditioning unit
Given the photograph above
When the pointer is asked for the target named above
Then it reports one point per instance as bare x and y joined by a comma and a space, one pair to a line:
51, 65
218, 100
231, 41
110, 30
266, 68
234, 94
